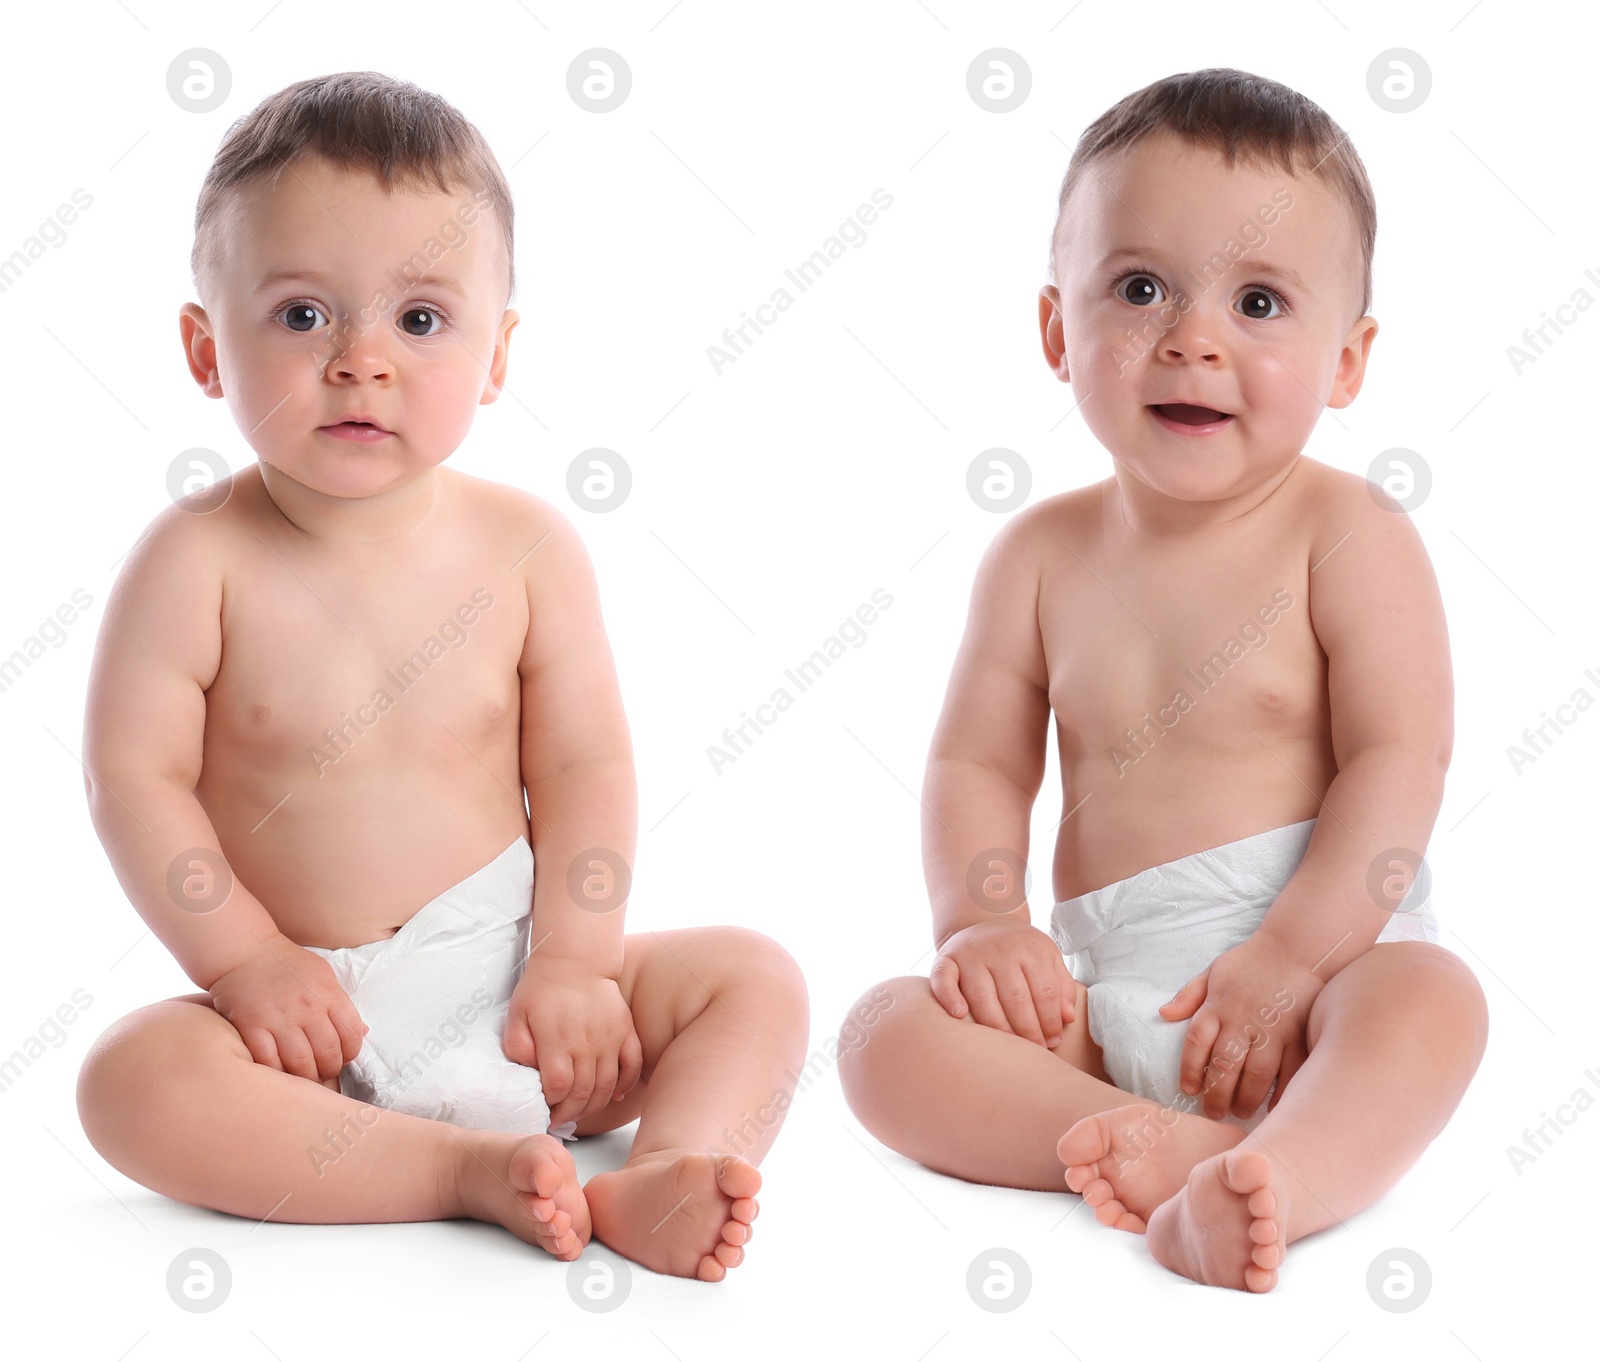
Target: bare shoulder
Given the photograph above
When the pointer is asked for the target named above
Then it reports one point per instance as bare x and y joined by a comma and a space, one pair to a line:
1042, 533
538, 542
1345, 511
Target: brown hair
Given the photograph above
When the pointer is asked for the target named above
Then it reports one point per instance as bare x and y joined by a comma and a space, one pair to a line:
360, 120
1242, 117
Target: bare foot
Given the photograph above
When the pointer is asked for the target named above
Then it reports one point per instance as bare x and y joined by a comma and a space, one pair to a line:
530, 1187
677, 1211
1227, 1227
1129, 1160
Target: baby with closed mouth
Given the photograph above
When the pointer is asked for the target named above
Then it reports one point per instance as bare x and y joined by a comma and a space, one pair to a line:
1240, 1027
398, 1019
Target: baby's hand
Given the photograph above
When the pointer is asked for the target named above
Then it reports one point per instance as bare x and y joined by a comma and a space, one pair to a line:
1011, 975
574, 1027
289, 1010
1252, 1004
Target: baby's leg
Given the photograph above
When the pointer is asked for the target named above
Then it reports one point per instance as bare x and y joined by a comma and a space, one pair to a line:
989, 1106
721, 1017
1393, 1039
170, 1096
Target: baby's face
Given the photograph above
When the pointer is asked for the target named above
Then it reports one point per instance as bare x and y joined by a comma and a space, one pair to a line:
1266, 338
316, 312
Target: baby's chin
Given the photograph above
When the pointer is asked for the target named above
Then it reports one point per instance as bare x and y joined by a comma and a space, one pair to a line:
347, 477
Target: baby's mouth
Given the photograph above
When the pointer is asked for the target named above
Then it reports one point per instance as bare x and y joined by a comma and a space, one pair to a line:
1188, 415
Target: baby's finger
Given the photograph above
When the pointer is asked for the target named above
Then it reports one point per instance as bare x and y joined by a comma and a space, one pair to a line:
1068, 987
348, 1024
576, 1103
262, 1047
326, 1048
605, 1082
945, 981
1016, 997
555, 1076
1046, 1000
1222, 1076
1197, 1043
632, 1064
1260, 1065
978, 988
294, 1049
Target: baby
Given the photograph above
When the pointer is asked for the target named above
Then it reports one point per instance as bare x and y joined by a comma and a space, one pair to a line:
1246, 658
320, 693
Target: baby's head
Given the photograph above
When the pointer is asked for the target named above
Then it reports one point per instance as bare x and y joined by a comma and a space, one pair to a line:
1213, 245
353, 256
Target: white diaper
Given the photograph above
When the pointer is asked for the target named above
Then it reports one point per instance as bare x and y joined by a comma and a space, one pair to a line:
435, 997
1137, 942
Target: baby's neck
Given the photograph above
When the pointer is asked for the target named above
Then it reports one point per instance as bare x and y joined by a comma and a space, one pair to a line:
390, 515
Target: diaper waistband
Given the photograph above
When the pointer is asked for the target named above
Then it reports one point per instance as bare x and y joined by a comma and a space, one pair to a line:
1215, 884
499, 892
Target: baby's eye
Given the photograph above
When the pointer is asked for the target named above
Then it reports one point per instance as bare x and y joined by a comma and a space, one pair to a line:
1138, 289
1254, 298
296, 318
426, 317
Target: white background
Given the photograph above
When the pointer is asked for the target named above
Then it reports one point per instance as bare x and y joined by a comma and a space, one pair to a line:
768, 503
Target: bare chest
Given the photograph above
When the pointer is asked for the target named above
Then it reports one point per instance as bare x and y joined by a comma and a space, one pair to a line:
1196, 655
328, 671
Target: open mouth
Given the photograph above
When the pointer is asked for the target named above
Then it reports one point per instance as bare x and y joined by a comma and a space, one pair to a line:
1187, 415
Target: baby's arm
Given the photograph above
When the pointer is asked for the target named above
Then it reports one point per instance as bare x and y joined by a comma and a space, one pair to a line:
159, 648
1376, 610
568, 1017
985, 765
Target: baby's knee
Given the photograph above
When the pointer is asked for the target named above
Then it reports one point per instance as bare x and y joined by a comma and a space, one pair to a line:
865, 1033
137, 1055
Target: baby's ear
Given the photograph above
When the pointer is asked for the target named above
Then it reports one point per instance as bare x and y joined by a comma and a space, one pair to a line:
497, 365
1050, 331
200, 348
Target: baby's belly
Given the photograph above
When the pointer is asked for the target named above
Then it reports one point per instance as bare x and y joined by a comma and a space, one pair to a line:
341, 864
1191, 804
